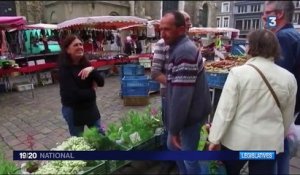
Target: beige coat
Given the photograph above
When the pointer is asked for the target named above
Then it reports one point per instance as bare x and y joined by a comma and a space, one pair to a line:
247, 117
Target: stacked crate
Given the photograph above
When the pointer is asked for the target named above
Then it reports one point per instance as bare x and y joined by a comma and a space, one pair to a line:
134, 85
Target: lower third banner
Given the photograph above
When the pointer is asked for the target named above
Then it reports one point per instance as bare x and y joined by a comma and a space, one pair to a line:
143, 155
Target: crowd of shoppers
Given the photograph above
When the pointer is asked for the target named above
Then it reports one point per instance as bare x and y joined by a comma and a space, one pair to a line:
258, 104
259, 101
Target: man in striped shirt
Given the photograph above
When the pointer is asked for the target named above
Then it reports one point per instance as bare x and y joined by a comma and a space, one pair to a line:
187, 94
158, 73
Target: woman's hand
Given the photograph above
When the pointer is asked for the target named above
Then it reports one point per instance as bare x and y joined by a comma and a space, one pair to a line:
214, 147
95, 85
84, 73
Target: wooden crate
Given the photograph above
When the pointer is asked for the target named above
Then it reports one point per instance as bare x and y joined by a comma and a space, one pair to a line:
136, 100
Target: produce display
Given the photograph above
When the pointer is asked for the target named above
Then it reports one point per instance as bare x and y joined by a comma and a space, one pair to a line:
97, 140
224, 66
66, 166
209, 167
136, 127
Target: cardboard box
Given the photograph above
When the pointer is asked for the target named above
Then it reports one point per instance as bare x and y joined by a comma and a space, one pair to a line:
31, 63
41, 61
45, 78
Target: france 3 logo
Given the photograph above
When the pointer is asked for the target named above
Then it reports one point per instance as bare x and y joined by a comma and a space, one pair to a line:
271, 22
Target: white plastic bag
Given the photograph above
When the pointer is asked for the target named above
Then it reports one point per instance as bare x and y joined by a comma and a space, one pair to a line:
294, 139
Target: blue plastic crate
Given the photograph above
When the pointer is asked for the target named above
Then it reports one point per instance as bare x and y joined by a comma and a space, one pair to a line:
135, 86
132, 69
154, 86
216, 80
238, 47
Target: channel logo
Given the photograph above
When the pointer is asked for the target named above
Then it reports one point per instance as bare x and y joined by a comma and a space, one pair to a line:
271, 22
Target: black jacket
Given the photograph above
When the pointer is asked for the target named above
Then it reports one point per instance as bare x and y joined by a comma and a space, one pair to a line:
75, 92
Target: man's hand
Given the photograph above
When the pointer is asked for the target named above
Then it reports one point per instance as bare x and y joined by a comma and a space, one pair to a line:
161, 79
175, 139
214, 147
84, 73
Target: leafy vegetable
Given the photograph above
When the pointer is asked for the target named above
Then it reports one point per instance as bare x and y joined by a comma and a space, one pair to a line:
97, 140
145, 123
7, 167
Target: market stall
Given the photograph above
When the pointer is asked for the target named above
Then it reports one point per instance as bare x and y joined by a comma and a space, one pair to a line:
219, 60
147, 37
102, 42
7, 23
216, 38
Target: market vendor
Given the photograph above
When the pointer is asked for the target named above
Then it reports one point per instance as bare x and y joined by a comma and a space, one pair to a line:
218, 42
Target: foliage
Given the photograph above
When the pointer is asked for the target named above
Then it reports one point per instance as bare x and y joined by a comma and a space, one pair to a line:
144, 123
97, 140
7, 167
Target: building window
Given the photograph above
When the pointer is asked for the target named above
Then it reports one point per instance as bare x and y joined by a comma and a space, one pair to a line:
239, 24
296, 19
225, 21
113, 14
297, 4
247, 24
255, 8
218, 22
255, 23
239, 9
225, 7
242, 9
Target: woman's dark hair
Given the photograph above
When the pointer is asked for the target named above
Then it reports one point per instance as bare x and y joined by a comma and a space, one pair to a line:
65, 58
263, 43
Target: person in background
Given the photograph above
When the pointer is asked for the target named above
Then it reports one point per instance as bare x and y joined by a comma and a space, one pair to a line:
158, 73
45, 43
187, 98
78, 81
218, 42
128, 47
289, 40
248, 116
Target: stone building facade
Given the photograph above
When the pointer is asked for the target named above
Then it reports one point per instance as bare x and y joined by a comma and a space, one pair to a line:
59, 11
203, 13
32, 10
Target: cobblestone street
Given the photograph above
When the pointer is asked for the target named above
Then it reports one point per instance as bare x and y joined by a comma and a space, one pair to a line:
21, 115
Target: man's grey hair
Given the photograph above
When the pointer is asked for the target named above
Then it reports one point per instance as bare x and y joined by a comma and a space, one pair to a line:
288, 8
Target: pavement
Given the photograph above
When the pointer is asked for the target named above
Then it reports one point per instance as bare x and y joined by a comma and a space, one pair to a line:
40, 117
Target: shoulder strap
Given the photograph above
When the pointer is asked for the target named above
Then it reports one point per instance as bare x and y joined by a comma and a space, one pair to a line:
267, 83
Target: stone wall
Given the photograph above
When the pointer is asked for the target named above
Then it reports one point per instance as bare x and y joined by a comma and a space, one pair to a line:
64, 10
32, 10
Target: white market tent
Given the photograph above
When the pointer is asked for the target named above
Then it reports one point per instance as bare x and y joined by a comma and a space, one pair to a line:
101, 22
152, 22
206, 30
41, 26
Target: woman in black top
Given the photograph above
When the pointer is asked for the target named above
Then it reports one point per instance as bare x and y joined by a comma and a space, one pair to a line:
78, 81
